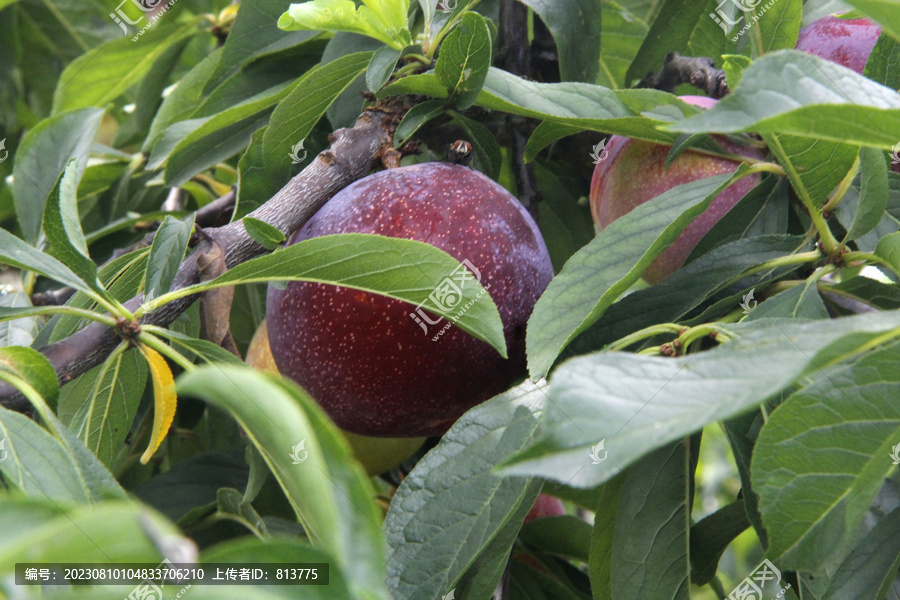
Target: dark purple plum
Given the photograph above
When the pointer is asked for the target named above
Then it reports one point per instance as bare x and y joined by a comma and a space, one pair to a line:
377, 365
847, 42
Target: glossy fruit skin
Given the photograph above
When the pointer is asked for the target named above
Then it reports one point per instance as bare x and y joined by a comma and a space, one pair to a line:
847, 42
377, 455
545, 506
634, 172
364, 357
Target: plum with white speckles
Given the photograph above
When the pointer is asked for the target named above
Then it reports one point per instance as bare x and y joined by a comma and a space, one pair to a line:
634, 172
370, 365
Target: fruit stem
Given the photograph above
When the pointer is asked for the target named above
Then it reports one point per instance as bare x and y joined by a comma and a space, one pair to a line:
841, 190
643, 334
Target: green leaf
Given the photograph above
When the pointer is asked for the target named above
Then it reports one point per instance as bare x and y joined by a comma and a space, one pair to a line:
43, 154
710, 536
647, 546
109, 70
670, 32
99, 406
575, 26
32, 367
601, 271
218, 137
268, 236
884, 12
582, 105
83, 533
843, 459
136, 126
769, 100
490, 157
384, 20
397, 268
296, 115
889, 249
327, 489
545, 134
566, 225
637, 403
21, 331
452, 505
817, 166
37, 463
687, 288
191, 485
415, 118
872, 200
166, 254
890, 222
181, 102
799, 302
565, 535
734, 66
426, 84
464, 59
779, 25
871, 567
278, 550
884, 62
622, 32
16, 253
381, 67
762, 211
255, 34
62, 226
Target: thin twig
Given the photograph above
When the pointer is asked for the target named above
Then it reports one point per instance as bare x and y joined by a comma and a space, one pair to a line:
700, 72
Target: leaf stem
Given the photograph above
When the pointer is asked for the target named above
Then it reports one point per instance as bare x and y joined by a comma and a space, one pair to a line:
856, 255
784, 261
166, 350
842, 188
827, 238
60, 310
643, 334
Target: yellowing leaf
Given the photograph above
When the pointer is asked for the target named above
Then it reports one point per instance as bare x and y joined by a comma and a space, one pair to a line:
384, 20
164, 399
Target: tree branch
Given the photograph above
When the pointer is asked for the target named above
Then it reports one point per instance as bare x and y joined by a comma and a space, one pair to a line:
700, 72
353, 154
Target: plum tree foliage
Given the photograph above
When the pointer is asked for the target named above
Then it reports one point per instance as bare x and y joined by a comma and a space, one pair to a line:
156, 157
